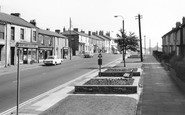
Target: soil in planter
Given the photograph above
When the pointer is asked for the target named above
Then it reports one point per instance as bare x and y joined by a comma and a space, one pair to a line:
121, 70
119, 81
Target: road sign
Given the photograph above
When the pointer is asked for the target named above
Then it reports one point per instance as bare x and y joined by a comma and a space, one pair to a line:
99, 56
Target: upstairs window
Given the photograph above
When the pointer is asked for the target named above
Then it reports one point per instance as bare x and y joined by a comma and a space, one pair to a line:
22, 34
34, 36
1, 32
12, 33
50, 42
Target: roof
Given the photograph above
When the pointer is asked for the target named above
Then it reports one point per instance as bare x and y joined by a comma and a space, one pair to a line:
108, 37
14, 20
95, 37
47, 32
82, 34
68, 33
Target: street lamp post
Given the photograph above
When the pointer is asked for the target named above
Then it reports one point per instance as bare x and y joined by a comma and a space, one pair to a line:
123, 32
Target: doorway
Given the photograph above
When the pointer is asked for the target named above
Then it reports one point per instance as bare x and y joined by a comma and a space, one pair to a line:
12, 55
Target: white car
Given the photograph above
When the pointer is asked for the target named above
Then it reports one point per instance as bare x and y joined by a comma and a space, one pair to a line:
88, 55
52, 60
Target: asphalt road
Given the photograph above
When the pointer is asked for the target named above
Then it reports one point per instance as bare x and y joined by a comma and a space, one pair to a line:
39, 80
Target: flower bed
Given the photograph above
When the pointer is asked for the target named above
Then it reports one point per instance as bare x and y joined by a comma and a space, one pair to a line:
117, 73
108, 81
108, 86
121, 70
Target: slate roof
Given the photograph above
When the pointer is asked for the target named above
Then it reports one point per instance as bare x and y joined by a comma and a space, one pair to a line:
50, 33
108, 37
68, 33
14, 20
95, 37
82, 34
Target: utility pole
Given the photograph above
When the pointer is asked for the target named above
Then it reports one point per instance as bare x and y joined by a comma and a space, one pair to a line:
139, 18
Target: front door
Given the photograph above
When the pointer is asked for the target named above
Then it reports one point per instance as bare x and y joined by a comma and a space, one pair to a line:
12, 55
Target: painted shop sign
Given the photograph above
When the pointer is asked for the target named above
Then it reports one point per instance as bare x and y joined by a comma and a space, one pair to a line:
26, 45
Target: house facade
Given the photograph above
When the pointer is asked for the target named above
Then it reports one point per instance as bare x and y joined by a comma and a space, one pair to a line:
51, 43
173, 41
16, 33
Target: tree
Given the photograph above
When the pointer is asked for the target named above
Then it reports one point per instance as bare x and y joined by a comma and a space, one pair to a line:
130, 42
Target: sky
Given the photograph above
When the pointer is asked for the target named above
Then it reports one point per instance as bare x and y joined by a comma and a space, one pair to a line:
158, 16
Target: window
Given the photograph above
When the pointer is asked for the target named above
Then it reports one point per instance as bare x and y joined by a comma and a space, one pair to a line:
22, 34
50, 42
1, 35
34, 36
42, 41
12, 33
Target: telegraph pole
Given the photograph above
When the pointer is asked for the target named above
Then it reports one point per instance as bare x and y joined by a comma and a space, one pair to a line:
139, 18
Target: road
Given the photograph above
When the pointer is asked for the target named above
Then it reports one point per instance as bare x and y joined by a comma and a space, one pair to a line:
34, 82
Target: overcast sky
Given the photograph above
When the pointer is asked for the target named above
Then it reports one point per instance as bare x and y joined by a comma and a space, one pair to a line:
159, 16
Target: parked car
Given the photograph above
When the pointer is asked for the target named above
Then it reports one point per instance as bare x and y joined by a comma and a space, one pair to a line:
52, 60
88, 55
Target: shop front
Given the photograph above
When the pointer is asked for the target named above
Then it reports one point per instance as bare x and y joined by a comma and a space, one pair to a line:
44, 52
28, 52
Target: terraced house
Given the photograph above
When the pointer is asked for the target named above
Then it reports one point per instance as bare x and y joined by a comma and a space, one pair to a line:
51, 43
16, 32
35, 44
79, 42
174, 40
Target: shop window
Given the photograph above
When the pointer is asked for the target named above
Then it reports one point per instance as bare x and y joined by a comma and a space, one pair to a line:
12, 33
22, 34
34, 36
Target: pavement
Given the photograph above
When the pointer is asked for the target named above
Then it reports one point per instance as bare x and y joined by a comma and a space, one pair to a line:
160, 96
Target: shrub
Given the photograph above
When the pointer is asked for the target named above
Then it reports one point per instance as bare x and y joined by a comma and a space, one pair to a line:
178, 64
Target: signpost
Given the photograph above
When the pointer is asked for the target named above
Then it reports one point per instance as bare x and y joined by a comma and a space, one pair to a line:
100, 62
18, 82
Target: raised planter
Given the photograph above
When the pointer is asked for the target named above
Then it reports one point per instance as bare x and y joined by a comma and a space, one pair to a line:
116, 73
110, 81
100, 87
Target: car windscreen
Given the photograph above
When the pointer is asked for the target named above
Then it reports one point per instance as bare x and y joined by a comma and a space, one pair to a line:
50, 57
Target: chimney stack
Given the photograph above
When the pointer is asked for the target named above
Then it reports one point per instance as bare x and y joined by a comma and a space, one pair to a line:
48, 29
178, 24
64, 29
75, 29
57, 31
183, 20
89, 33
108, 34
16, 14
33, 22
